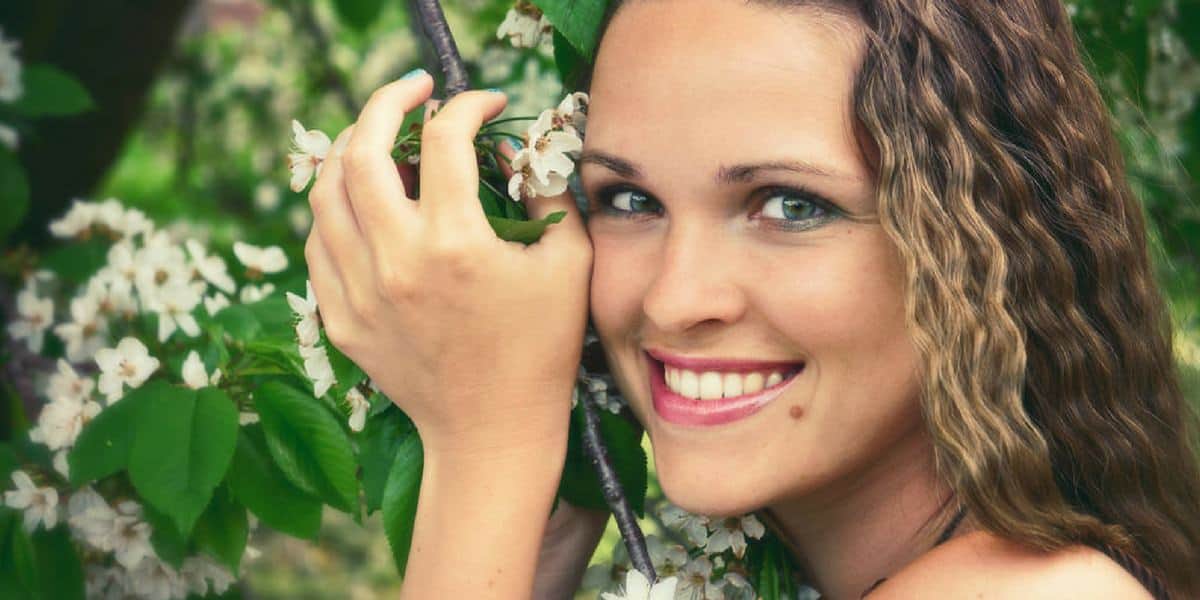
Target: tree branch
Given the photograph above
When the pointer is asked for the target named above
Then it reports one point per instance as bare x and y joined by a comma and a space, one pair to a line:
438, 32
614, 494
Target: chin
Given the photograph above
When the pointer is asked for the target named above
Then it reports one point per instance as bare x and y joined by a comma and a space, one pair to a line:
699, 487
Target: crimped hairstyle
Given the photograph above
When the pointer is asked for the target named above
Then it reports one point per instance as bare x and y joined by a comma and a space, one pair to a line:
1049, 385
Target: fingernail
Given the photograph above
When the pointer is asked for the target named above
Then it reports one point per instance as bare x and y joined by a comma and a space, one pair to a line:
497, 90
413, 73
516, 143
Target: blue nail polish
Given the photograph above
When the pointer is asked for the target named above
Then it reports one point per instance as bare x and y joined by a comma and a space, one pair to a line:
413, 73
517, 144
497, 90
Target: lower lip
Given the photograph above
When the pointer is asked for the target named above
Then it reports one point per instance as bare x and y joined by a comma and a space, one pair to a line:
682, 410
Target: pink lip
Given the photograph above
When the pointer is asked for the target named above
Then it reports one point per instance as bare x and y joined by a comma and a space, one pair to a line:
721, 364
682, 410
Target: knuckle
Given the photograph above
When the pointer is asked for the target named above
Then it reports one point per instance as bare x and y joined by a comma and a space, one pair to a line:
338, 333
362, 305
355, 159
395, 287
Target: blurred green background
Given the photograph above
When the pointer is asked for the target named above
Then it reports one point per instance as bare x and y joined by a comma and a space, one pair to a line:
195, 97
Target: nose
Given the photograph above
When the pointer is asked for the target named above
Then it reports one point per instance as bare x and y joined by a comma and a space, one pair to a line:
696, 285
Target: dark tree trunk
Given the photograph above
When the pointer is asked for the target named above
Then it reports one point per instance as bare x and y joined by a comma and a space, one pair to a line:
115, 48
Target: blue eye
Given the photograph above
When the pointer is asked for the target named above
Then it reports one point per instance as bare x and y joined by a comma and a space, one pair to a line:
796, 209
625, 202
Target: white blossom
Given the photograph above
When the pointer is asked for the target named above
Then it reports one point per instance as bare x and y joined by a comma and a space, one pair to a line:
253, 293
693, 527
308, 328
637, 587
358, 409
199, 572
11, 87
129, 538
551, 148
524, 184
108, 583
571, 114
270, 259
731, 533
113, 294
154, 579
77, 221
318, 369
34, 316
159, 263
194, 375
60, 464
211, 268
91, 518
309, 149
129, 363
9, 138
174, 304
61, 420
668, 558
694, 581
86, 332
40, 504
247, 418
214, 303
523, 26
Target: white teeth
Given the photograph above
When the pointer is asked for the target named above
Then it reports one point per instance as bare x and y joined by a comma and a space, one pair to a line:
753, 383
732, 385
712, 385
689, 385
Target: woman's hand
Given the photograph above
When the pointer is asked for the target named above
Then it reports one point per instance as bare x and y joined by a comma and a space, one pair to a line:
475, 338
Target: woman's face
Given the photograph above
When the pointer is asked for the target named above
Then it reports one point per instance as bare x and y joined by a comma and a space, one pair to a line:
720, 164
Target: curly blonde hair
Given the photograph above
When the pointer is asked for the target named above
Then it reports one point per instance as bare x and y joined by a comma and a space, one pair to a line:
1049, 385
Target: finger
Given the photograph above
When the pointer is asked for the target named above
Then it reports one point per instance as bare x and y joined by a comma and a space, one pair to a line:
449, 171
343, 238
372, 181
328, 288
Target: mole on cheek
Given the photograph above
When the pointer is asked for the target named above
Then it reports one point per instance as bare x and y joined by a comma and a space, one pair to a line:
796, 412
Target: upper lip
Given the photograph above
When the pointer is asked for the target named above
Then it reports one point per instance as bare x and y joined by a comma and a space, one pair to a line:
707, 363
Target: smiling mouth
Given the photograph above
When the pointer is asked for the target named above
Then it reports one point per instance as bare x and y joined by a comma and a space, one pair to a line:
708, 398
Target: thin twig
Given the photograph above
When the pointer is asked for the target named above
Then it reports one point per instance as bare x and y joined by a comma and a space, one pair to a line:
614, 494
438, 32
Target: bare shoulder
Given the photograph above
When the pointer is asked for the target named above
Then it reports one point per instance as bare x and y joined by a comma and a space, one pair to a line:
985, 566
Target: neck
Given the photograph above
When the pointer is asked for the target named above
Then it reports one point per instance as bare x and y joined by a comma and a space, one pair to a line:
868, 525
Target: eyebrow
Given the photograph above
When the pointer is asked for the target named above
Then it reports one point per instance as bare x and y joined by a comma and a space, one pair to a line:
726, 174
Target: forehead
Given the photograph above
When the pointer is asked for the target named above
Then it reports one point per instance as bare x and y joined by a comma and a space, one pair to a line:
686, 75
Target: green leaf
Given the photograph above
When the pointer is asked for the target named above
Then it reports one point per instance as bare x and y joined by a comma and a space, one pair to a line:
400, 498
8, 463
223, 528
345, 372
14, 193
381, 438
526, 232
60, 572
77, 262
184, 444
168, 542
308, 444
578, 21
571, 65
239, 322
580, 484
358, 14
103, 447
18, 564
257, 483
493, 204
51, 92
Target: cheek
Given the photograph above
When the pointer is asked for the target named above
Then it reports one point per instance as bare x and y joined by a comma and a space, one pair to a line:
616, 290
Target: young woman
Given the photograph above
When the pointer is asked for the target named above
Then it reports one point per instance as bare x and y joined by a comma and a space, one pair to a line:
913, 211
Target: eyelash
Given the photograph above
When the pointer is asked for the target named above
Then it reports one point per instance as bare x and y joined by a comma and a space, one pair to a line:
604, 198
